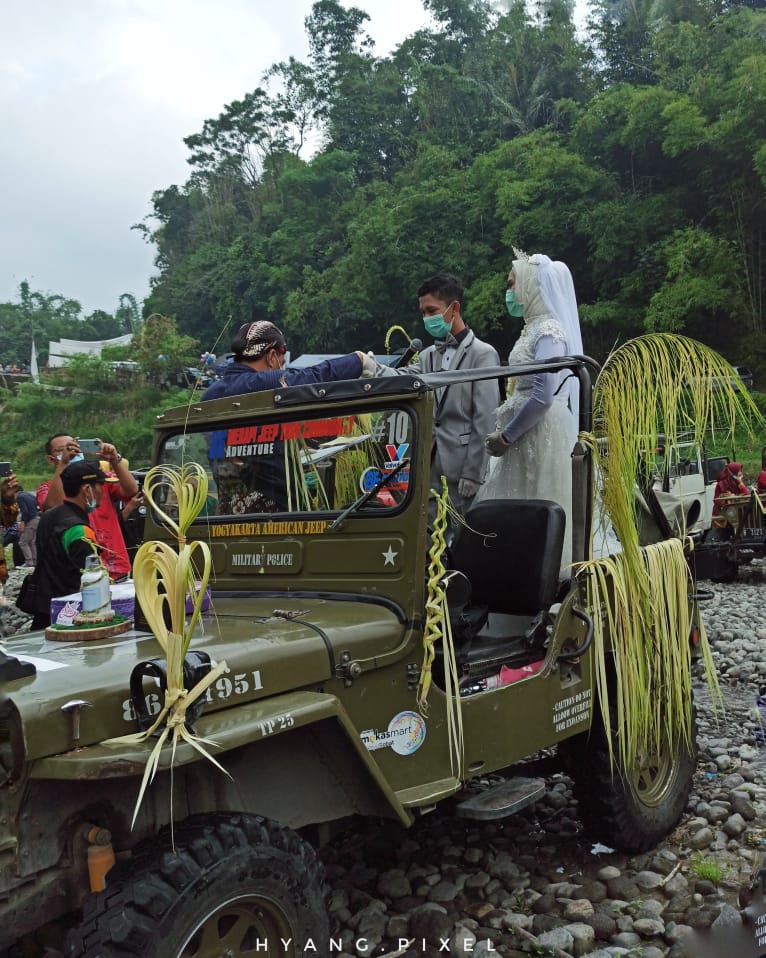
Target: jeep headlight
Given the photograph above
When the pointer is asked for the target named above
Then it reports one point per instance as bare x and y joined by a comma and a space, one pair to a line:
732, 514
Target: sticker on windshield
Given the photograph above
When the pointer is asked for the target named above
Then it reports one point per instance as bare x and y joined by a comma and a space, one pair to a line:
405, 734
395, 455
371, 476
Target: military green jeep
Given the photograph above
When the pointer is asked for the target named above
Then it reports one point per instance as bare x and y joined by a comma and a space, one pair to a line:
319, 607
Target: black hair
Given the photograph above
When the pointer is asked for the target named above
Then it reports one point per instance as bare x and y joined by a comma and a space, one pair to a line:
444, 286
49, 442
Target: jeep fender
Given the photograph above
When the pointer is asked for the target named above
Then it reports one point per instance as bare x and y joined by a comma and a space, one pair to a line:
296, 757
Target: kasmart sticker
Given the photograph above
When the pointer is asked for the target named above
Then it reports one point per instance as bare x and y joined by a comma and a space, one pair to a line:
405, 734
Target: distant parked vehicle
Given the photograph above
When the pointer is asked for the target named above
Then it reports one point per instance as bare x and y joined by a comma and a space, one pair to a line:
746, 375
125, 366
192, 377
684, 490
741, 375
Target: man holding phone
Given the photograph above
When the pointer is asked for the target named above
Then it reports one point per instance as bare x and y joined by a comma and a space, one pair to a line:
60, 451
9, 513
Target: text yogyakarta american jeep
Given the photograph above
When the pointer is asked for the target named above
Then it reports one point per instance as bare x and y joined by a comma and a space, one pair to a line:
344, 692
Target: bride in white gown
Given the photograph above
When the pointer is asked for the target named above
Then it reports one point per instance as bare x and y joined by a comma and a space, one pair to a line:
537, 424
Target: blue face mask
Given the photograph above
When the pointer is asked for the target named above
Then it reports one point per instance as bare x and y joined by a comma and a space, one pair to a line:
78, 458
514, 307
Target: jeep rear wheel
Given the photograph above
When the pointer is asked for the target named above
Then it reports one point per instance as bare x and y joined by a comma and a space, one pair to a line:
631, 810
232, 883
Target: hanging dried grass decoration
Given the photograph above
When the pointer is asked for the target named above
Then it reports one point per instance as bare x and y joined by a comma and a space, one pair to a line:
659, 384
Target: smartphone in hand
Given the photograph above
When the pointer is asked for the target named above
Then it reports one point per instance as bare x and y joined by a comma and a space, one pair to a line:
5, 470
90, 448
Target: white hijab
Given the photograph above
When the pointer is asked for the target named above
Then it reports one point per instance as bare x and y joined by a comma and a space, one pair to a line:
553, 281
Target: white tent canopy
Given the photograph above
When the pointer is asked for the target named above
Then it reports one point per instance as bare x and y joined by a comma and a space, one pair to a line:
59, 352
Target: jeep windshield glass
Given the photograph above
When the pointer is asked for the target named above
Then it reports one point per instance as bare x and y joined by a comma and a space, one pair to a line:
283, 465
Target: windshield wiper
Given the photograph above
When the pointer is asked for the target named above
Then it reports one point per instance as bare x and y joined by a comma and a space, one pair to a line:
366, 496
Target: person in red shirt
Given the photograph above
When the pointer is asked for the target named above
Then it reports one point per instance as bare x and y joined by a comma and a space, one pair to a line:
60, 451
762, 482
730, 483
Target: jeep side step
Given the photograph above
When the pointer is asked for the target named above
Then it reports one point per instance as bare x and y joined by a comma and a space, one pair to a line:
502, 800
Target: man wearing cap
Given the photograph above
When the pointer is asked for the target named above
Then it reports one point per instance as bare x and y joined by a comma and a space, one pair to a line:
60, 451
65, 538
259, 357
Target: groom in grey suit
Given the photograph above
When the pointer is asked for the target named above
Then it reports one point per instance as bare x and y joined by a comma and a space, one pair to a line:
464, 412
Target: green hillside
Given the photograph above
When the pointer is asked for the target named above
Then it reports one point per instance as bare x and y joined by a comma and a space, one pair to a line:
119, 413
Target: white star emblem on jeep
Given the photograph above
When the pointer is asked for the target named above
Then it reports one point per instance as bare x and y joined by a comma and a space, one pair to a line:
389, 556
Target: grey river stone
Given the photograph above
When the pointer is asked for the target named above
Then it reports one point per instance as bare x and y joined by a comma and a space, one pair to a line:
480, 885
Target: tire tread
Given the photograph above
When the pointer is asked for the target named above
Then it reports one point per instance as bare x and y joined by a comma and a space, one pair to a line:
121, 921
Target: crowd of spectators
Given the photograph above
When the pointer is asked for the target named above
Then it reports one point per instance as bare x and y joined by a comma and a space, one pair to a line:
96, 492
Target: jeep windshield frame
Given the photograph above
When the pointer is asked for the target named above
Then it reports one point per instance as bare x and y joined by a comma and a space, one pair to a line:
288, 464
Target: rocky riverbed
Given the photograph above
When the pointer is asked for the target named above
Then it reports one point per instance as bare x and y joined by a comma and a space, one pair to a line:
536, 884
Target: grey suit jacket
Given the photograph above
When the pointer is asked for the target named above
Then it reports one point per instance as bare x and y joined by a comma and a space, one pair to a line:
465, 412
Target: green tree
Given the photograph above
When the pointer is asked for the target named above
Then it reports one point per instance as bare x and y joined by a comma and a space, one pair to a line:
161, 349
101, 325
44, 316
334, 33
700, 295
635, 156
128, 313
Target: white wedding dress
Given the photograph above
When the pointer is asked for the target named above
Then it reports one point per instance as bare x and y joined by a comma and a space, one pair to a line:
538, 464
540, 417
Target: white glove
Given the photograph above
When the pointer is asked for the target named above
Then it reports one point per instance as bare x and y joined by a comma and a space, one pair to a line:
467, 488
369, 366
496, 444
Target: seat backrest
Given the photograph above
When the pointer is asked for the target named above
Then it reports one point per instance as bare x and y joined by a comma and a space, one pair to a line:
511, 553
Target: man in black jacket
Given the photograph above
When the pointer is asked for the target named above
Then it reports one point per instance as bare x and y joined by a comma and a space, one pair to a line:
259, 357
65, 539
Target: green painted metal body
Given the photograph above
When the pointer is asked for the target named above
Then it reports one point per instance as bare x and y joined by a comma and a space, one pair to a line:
321, 627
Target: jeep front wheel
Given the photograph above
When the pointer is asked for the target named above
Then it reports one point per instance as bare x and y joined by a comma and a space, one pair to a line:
234, 884
631, 810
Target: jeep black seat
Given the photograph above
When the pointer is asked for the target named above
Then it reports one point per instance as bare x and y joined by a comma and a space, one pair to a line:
511, 553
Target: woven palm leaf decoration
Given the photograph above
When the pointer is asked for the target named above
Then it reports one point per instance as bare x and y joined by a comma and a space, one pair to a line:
164, 576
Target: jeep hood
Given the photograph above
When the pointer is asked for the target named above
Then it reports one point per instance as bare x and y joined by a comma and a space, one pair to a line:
271, 644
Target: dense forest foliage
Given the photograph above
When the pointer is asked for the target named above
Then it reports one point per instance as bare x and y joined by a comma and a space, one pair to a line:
47, 316
634, 150
636, 153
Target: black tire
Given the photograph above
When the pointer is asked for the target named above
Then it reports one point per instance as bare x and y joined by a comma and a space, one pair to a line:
632, 812
233, 880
